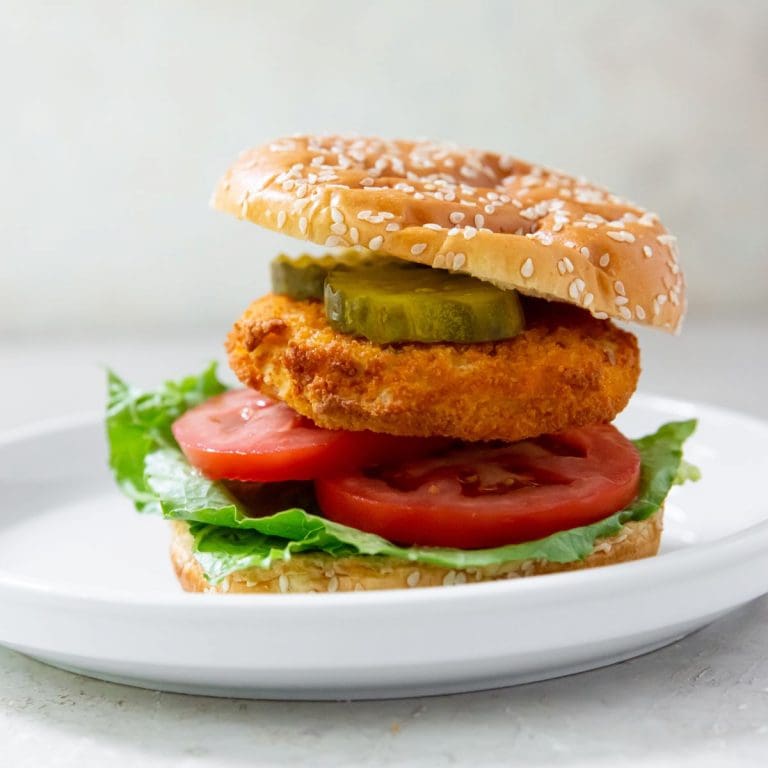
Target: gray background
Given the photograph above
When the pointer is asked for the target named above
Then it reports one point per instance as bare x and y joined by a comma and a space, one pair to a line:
119, 117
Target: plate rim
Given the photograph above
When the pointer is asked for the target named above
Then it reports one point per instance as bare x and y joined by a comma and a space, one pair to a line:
745, 543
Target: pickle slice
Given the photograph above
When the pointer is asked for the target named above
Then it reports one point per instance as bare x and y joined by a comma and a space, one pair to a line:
399, 301
303, 277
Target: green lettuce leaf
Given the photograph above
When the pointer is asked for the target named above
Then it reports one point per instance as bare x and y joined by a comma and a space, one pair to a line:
139, 422
151, 469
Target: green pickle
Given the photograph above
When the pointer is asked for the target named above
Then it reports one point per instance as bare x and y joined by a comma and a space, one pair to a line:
392, 301
303, 278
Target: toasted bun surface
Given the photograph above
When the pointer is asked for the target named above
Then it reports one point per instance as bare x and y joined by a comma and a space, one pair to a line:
319, 572
565, 370
493, 216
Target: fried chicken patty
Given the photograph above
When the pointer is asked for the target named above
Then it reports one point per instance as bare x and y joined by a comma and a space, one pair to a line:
567, 369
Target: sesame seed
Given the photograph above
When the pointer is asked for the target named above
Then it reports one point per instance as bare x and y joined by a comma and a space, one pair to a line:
456, 217
605, 260
354, 235
575, 288
282, 583
619, 300
336, 215
648, 251
568, 264
666, 239
333, 241
301, 190
280, 219
376, 242
418, 248
366, 182
621, 236
449, 579
413, 578
585, 252
588, 299
537, 211
527, 269
339, 228
561, 267
333, 584
459, 260
625, 313
600, 315
435, 227
640, 312
619, 288
363, 215
439, 261
303, 225
469, 233
479, 220
392, 227
544, 237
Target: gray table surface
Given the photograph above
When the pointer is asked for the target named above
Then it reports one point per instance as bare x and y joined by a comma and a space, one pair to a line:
702, 701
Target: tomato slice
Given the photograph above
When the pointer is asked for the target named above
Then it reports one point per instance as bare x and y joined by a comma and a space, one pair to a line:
244, 435
485, 496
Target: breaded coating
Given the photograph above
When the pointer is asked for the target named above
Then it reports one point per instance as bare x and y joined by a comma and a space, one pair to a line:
567, 369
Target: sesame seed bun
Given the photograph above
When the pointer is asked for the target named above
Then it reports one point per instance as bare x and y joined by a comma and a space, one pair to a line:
492, 216
320, 572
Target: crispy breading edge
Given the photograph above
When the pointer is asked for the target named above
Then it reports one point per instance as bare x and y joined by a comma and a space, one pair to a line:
565, 370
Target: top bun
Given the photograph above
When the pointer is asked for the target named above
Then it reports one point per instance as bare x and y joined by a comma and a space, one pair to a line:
493, 216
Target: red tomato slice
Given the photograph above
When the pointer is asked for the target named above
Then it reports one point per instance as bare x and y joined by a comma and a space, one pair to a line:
244, 435
485, 496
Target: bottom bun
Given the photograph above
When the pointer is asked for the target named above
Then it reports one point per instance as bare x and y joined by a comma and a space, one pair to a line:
320, 572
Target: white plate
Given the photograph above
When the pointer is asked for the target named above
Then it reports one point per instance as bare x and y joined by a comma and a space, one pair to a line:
85, 584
